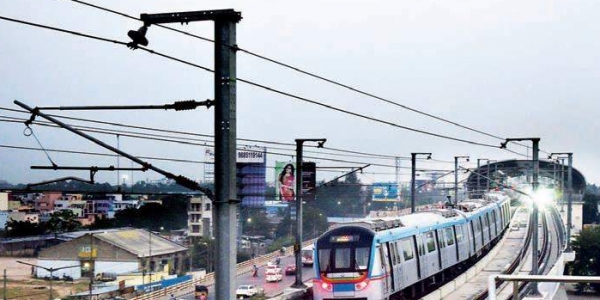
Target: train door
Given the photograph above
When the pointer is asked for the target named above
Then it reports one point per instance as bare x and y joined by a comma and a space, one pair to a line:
390, 262
421, 257
398, 270
442, 253
409, 267
451, 250
385, 266
432, 258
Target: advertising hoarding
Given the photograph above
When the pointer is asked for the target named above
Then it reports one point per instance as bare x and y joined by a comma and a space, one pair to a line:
285, 181
385, 191
309, 181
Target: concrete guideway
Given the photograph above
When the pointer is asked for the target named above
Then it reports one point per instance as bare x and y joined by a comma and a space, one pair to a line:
475, 280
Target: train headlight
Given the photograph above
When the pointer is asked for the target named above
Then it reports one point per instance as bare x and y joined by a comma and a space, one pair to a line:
361, 285
327, 286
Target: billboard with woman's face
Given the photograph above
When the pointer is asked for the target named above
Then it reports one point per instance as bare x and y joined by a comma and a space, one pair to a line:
285, 181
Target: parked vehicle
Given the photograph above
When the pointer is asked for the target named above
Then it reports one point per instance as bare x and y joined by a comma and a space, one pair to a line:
106, 276
246, 290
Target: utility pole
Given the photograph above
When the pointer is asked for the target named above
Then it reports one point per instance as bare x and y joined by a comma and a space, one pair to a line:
534, 217
479, 175
298, 241
4, 284
225, 201
92, 264
51, 270
570, 195
456, 177
413, 159
150, 257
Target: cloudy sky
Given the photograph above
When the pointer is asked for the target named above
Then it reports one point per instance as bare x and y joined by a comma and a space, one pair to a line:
505, 68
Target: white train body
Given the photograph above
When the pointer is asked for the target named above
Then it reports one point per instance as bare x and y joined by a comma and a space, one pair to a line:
379, 258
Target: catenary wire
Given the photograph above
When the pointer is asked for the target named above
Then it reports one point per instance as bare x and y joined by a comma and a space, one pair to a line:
311, 74
383, 156
146, 137
264, 87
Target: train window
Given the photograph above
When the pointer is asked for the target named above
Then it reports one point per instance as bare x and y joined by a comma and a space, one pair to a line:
459, 233
440, 237
362, 258
407, 249
397, 250
420, 245
449, 236
342, 258
430, 241
324, 255
391, 246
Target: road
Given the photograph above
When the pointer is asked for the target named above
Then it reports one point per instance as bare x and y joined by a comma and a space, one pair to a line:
271, 289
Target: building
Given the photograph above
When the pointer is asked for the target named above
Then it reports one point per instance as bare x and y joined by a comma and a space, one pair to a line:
46, 202
112, 251
200, 217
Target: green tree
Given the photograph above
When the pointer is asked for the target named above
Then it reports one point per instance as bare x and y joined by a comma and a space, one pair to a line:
587, 260
256, 222
63, 221
23, 228
590, 208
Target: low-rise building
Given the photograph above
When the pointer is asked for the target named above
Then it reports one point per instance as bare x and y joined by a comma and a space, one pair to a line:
113, 251
200, 217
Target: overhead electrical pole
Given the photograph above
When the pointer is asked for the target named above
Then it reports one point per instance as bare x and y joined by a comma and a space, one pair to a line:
298, 240
534, 217
413, 159
456, 177
570, 195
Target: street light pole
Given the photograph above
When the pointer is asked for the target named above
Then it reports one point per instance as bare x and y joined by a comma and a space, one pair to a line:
51, 270
456, 177
535, 221
570, 195
413, 159
298, 241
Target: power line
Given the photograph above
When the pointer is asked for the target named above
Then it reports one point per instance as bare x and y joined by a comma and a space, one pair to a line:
263, 86
383, 156
146, 137
371, 155
311, 74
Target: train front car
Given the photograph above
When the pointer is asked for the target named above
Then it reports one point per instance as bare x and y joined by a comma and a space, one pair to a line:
344, 260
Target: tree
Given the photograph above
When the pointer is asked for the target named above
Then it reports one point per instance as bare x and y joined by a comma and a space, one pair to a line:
587, 260
62, 221
256, 222
590, 208
23, 228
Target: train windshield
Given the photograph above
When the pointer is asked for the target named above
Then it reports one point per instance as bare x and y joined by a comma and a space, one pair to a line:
344, 252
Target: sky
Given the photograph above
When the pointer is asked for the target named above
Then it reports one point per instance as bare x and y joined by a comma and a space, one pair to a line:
507, 68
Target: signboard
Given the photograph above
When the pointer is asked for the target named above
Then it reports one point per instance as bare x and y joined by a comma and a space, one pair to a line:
87, 252
209, 165
251, 173
309, 181
256, 155
285, 181
385, 191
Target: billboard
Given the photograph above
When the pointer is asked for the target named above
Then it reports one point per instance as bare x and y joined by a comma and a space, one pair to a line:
285, 181
251, 176
309, 181
385, 191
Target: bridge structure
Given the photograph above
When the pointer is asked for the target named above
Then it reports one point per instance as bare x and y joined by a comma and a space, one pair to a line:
512, 255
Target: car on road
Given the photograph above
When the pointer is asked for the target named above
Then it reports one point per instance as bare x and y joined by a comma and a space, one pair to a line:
246, 290
290, 270
273, 275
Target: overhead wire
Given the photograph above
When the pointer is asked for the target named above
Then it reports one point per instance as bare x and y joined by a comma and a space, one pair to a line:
311, 74
264, 86
145, 136
322, 150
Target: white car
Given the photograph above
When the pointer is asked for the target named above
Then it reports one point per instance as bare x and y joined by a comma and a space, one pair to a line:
273, 275
246, 290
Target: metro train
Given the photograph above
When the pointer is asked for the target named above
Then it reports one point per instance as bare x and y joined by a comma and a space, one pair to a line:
395, 258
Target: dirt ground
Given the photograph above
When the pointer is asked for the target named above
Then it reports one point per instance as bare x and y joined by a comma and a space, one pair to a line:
21, 284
